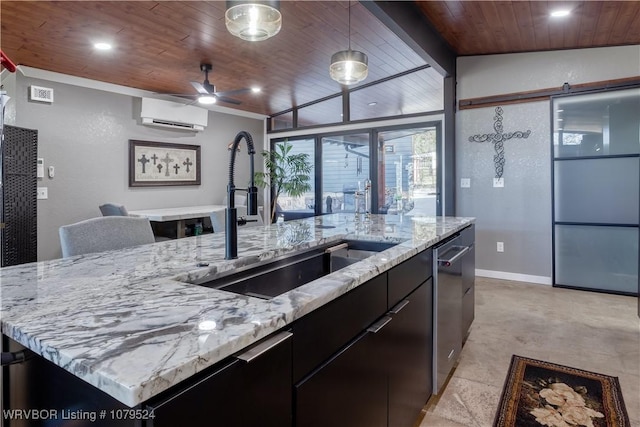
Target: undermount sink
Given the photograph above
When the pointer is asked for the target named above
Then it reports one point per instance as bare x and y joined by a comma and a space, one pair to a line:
277, 277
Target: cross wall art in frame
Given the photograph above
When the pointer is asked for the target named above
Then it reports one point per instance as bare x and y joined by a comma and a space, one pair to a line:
161, 163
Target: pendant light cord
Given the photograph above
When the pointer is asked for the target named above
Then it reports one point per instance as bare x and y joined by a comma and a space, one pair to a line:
349, 20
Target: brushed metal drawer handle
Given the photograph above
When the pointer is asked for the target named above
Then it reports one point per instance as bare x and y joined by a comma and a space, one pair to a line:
399, 307
263, 347
376, 327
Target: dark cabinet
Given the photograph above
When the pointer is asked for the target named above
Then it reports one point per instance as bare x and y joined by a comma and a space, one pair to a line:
253, 388
408, 344
54, 396
359, 363
349, 390
321, 333
407, 276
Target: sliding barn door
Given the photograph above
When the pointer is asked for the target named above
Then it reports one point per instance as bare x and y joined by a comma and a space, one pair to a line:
596, 167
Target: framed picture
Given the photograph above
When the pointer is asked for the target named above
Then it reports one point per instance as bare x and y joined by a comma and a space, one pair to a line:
161, 163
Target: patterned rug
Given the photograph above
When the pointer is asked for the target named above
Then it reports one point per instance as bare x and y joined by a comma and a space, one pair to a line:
538, 393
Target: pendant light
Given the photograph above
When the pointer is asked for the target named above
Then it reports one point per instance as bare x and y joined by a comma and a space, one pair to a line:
253, 20
349, 66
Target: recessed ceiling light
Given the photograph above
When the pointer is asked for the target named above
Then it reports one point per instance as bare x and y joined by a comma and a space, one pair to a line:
371, 104
102, 46
560, 13
256, 90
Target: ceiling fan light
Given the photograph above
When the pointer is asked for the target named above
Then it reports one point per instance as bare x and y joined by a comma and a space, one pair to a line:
207, 100
253, 20
349, 67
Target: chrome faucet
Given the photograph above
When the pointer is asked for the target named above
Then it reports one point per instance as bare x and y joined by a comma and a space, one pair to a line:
231, 213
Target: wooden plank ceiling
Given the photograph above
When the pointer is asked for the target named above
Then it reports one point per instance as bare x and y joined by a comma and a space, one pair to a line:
159, 45
492, 27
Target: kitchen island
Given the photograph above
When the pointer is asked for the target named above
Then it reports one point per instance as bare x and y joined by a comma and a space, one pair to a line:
132, 324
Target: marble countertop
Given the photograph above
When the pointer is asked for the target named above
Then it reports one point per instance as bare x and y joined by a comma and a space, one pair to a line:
130, 323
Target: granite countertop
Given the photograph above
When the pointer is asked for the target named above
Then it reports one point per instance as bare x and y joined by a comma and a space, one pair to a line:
129, 323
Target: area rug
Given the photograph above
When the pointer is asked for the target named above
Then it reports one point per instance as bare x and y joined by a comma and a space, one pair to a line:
538, 393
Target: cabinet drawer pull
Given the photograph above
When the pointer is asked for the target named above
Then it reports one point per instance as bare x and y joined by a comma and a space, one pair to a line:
264, 346
375, 328
398, 308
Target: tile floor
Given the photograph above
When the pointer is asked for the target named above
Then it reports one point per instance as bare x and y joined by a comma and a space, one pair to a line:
586, 330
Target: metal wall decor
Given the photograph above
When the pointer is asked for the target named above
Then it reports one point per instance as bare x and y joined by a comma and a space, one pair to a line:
498, 139
160, 163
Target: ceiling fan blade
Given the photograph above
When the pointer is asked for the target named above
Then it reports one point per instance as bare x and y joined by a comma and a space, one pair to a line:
201, 89
232, 92
227, 100
178, 94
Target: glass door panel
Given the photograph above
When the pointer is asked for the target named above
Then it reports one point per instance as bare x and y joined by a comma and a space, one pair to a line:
597, 257
345, 167
407, 171
301, 206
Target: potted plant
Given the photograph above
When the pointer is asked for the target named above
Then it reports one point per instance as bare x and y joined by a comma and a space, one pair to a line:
286, 173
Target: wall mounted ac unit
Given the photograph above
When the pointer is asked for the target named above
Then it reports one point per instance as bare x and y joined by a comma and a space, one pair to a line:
156, 112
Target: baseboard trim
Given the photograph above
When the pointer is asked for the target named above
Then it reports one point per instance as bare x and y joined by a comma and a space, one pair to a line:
541, 280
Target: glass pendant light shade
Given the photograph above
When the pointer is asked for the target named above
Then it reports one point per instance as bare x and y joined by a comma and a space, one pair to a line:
349, 67
253, 20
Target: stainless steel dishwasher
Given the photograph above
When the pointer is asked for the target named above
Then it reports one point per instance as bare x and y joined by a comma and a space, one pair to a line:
447, 313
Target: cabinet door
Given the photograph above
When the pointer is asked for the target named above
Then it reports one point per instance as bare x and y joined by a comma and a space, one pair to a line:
409, 346
255, 390
350, 390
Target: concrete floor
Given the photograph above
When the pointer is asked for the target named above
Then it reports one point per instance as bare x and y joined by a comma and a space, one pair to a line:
586, 330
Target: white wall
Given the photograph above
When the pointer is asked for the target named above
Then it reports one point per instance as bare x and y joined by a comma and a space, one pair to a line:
520, 213
84, 134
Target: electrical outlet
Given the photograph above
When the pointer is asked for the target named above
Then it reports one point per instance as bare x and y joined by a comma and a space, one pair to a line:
465, 182
43, 193
498, 182
500, 247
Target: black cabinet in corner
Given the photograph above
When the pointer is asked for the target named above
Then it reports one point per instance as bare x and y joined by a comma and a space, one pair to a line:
251, 389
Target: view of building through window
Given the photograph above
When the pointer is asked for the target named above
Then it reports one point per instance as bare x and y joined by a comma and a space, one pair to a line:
406, 172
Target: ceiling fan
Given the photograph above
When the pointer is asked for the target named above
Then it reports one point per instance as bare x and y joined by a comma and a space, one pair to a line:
207, 93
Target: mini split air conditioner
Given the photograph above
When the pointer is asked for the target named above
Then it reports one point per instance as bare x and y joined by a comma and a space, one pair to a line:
155, 112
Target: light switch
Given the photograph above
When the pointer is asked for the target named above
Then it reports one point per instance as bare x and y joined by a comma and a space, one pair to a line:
465, 182
40, 170
43, 193
498, 182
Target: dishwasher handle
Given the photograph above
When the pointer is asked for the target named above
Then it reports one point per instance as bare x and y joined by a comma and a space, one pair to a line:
461, 251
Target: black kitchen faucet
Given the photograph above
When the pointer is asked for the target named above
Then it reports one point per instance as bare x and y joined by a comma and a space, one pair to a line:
231, 213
